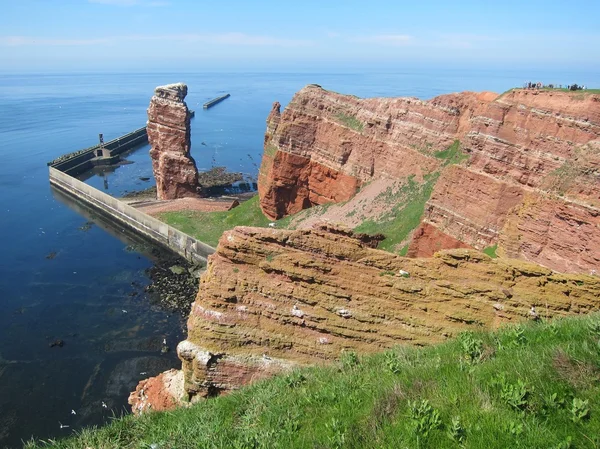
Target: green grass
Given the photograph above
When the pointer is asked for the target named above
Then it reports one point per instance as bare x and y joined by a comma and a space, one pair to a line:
452, 155
209, 226
491, 251
350, 121
579, 94
586, 91
270, 149
535, 386
409, 205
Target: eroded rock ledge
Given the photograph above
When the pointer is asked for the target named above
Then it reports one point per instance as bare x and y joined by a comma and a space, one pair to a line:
271, 299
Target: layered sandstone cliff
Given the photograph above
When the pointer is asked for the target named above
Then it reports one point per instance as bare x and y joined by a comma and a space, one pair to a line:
530, 181
271, 299
168, 129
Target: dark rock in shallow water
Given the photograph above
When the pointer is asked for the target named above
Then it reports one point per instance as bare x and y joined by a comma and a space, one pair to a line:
177, 269
218, 177
124, 377
174, 282
57, 343
86, 226
149, 193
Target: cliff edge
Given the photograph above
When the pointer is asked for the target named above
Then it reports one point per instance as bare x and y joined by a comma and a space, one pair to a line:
273, 299
526, 178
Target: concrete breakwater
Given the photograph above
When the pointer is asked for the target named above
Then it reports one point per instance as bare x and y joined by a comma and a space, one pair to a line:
157, 231
102, 154
62, 172
214, 101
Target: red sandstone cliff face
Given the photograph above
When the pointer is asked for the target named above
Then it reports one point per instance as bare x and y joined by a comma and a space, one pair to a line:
168, 129
273, 299
524, 147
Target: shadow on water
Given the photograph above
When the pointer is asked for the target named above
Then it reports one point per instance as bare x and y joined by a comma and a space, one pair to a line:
123, 233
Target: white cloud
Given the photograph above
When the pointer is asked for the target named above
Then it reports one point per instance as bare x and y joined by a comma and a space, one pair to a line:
131, 2
386, 39
229, 39
465, 41
17, 41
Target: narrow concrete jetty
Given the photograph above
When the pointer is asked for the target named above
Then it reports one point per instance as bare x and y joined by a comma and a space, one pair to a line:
214, 101
105, 153
64, 169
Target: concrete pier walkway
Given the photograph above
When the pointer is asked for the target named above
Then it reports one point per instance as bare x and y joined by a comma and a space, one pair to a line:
214, 101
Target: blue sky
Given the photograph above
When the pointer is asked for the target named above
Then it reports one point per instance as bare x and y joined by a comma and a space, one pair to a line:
124, 35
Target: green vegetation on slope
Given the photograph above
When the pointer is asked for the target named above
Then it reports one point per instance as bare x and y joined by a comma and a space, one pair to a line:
350, 121
409, 204
452, 155
533, 386
209, 226
491, 251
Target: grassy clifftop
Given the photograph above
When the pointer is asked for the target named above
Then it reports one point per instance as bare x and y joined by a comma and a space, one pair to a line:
534, 386
209, 226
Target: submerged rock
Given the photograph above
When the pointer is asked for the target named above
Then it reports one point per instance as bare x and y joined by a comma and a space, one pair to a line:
58, 343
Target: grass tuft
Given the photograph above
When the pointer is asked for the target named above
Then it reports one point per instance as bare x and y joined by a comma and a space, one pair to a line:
350, 121
491, 251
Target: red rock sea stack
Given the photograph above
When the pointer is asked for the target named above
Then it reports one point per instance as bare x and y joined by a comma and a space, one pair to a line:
168, 128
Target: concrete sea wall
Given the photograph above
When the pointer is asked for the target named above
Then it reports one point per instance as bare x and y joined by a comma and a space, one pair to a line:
159, 232
83, 160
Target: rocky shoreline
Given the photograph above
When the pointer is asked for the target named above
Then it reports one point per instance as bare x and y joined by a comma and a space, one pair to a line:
173, 281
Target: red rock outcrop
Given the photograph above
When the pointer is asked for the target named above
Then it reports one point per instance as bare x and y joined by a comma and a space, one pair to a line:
271, 299
523, 146
163, 392
168, 129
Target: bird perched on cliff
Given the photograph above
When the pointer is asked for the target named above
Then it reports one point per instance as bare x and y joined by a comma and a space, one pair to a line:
533, 314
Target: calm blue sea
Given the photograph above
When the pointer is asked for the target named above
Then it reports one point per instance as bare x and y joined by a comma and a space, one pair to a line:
81, 295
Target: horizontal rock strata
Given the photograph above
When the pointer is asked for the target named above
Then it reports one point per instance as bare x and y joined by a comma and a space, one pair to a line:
272, 299
168, 129
523, 146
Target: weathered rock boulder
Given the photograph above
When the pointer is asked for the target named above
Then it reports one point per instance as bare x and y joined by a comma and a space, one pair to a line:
531, 165
168, 129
